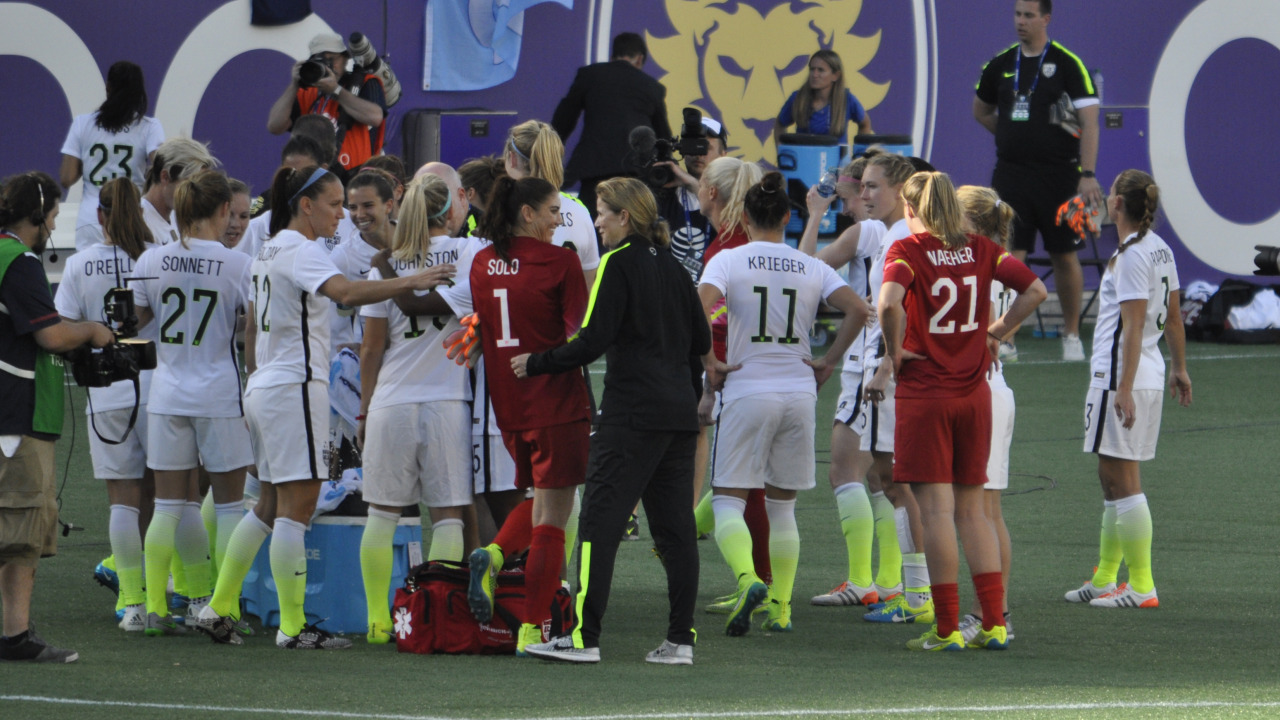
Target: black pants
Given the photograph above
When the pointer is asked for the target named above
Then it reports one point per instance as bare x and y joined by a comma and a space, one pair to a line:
627, 466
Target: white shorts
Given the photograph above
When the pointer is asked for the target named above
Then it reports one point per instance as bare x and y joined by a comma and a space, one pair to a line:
765, 438
874, 423
1002, 411
418, 452
1104, 433
850, 397
126, 461
492, 467
288, 425
177, 442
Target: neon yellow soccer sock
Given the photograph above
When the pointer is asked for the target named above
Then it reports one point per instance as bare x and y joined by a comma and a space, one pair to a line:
289, 569
192, 545
858, 523
376, 559
126, 557
784, 548
446, 540
1133, 527
242, 548
1109, 550
570, 529
734, 539
704, 516
158, 553
889, 571
226, 517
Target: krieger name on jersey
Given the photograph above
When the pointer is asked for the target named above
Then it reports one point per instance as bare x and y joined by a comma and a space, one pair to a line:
776, 264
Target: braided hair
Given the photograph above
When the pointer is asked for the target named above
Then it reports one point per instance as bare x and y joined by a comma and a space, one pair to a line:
1140, 197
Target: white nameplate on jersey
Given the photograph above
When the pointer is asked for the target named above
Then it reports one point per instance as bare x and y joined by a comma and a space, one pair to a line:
1021, 110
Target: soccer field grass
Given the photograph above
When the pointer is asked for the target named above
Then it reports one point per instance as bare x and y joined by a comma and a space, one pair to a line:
1203, 653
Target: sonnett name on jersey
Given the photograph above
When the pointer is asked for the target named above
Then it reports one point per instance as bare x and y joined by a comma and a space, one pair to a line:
191, 265
950, 257
776, 264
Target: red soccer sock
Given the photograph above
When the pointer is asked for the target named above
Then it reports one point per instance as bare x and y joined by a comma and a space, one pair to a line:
990, 589
946, 606
517, 530
757, 519
542, 573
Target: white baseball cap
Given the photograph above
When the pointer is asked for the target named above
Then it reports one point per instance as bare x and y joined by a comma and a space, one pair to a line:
327, 42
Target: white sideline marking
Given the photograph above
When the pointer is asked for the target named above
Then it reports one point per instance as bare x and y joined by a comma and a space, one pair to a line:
790, 712
1190, 358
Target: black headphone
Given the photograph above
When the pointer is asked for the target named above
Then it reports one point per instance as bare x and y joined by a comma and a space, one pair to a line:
38, 217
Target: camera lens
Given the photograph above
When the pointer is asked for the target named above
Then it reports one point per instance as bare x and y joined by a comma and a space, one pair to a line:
310, 73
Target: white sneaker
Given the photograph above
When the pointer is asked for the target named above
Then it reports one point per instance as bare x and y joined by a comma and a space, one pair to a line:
1126, 597
135, 618
194, 606
846, 593
1008, 352
669, 653
1087, 592
562, 649
970, 624
1072, 348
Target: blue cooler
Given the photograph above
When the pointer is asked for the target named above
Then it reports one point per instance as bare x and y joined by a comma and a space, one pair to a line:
900, 144
802, 158
335, 587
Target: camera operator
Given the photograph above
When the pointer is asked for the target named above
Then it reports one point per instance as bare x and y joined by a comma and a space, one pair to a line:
356, 105
678, 200
30, 333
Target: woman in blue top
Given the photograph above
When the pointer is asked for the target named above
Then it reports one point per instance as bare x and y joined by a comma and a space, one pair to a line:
823, 97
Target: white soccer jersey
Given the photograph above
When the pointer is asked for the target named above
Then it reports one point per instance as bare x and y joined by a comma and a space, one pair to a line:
259, 230
86, 278
196, 295
772, 291
870, 236
106, 156
1001, 298
291, 314
163, 230
577, 232
1144, 271
873, 334
354, 259
415, 368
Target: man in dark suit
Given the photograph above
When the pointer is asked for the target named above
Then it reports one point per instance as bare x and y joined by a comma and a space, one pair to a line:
616, 96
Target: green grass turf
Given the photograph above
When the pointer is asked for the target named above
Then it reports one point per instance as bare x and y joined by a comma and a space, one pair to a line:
1214, 508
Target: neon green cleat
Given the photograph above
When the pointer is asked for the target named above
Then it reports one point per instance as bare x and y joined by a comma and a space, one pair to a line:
898, 611
997, 638
779, 619
740, 617
931, 642
529, 635
485, 563
379, 632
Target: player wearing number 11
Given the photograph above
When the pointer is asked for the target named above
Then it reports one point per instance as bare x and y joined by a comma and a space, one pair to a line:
766, 429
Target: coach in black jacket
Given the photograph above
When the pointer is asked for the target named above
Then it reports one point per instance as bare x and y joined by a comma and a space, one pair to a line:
645, 317
617, 97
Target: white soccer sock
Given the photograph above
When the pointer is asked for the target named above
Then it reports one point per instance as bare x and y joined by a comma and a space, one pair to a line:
1124, 505
227, 516
915, 579
446, 540
126, 542
905, 541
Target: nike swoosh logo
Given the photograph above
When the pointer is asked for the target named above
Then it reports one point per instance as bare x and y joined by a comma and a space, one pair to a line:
932, 646
304, 572
1008, 75
365, 271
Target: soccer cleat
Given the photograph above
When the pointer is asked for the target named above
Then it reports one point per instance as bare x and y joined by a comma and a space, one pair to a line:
779, 619
847, 594
632, 530
163, 625
898, 611
740, 617
221, 629
194, 608
178, 605
562, 649
528, 635
931, 642
105, 574
723, 604
1072, 348
669, 653
886, 594
1088, 592
311, 638
135, 618
484, 571
997, 638
35, 649
1126, 597
379, 633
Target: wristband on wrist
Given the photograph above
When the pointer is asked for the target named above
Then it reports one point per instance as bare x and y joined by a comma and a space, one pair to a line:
997, 337
360, 417
1088, 174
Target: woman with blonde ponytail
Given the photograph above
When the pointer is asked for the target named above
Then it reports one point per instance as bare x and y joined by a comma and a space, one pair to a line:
1138, 303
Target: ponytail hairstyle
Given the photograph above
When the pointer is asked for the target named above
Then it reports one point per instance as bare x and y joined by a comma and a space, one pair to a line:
987, 213
502, 211
1140, 198
624, 193
197, 198
121, 205
732, 178
289, 186
20, 198
539, 150
181, 157
933, 199
425, 207
478, 175
767, 204
803, 107
896, 168
126, 101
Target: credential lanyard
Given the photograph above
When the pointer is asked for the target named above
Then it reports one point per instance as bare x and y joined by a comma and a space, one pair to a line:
1017, 70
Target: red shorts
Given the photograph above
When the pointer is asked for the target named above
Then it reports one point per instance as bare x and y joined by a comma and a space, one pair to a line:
943, 440
550, 457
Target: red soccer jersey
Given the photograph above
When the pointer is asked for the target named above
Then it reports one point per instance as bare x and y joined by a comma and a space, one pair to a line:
948, 307
531, 304
720, 323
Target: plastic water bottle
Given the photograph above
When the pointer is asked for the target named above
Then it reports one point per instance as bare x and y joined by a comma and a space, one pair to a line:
827, 185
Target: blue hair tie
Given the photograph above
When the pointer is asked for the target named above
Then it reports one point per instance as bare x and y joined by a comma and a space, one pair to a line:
319, 173
448, 202
513, 147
